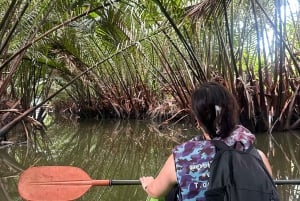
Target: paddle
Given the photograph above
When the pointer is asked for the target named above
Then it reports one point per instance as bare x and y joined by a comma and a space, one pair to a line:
60, 183
286, 182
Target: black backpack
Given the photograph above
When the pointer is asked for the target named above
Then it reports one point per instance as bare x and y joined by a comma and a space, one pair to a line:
239, 176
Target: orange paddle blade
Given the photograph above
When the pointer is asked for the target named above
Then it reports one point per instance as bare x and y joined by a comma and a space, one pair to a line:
55, 183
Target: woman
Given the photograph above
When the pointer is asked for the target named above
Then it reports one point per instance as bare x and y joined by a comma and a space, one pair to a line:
216, 112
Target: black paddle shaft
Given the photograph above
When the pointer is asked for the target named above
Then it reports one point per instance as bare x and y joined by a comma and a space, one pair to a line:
137, 182
288, 182
124, 182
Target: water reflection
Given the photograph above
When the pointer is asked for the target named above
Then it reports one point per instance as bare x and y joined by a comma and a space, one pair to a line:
105, 150
125, 150
283, 151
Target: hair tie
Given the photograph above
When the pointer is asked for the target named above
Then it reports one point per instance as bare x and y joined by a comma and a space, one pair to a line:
218, 113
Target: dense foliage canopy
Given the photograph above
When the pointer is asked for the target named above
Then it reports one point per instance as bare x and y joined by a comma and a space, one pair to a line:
142, 59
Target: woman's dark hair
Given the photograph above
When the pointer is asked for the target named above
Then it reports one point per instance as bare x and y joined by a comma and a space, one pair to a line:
216, 109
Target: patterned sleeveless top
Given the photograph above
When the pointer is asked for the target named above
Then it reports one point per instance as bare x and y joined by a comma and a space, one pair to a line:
193, 159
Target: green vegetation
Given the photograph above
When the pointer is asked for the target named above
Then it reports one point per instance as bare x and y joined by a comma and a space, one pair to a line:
141, 59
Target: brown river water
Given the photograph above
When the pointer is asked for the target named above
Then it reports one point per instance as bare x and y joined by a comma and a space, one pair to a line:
112, 149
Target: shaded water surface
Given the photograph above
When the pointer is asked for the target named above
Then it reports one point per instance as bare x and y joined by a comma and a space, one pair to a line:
127, 150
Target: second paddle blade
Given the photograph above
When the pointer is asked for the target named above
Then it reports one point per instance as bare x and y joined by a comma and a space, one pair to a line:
53, 183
